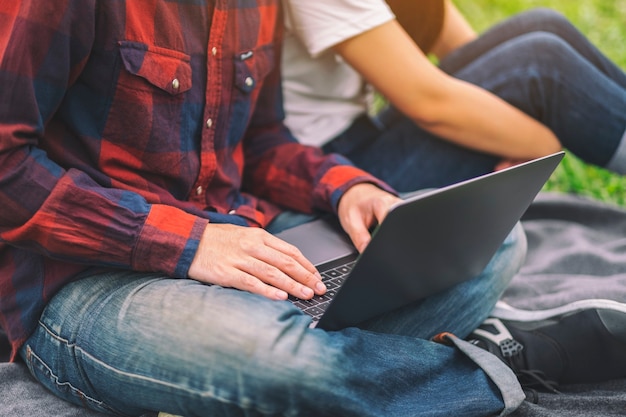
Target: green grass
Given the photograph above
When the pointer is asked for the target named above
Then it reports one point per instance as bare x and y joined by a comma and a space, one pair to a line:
604, 22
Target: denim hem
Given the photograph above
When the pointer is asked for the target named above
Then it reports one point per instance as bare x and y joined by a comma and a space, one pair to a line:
618, 161
501, 375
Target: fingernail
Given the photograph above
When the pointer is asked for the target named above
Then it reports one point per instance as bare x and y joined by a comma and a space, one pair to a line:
307, 292
320, 286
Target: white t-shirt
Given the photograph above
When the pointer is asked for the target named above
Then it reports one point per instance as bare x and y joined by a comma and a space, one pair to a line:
323, 94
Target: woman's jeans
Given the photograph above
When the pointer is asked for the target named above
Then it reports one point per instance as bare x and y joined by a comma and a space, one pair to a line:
129, 343
538, 62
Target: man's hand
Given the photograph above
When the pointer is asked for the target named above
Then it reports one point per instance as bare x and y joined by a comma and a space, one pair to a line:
253, 260
360, 208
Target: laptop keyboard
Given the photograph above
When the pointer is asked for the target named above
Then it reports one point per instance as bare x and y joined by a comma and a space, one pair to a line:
333, 275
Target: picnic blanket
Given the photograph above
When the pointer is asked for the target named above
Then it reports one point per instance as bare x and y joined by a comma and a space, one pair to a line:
577, 250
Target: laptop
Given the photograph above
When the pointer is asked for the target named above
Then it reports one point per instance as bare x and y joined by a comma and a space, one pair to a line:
427, 243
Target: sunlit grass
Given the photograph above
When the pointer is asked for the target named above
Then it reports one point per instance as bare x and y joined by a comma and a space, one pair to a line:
604, 22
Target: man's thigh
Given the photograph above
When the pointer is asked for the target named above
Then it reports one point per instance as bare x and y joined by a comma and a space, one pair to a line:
129, 331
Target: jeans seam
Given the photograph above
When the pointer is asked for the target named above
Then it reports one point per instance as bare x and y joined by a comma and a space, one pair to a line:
120, 372
56, 336
47, 371
210, 392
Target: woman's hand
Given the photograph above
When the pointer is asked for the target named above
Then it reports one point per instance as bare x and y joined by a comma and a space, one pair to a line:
507, 163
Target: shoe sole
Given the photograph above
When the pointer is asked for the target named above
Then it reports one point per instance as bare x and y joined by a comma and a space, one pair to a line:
504, 311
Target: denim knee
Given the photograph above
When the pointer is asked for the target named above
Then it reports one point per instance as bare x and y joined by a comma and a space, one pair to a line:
545, 18
545, 46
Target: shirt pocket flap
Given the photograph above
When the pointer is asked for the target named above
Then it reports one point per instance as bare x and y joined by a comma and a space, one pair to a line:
252, 66
166, 69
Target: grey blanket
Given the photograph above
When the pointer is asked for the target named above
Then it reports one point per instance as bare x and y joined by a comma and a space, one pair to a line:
577, 250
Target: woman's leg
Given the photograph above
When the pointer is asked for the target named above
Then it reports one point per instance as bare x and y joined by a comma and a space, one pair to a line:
129, 343
539, 62
536, 20
543, 75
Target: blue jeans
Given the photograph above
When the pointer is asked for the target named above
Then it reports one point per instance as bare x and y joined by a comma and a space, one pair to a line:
130, 343
538, 62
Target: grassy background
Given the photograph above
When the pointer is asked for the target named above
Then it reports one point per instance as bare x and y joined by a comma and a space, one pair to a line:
604, 22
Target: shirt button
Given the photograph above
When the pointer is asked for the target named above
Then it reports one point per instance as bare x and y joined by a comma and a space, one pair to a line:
199, 190
209, 123
249, 81
214, 51
175, 84
232, 212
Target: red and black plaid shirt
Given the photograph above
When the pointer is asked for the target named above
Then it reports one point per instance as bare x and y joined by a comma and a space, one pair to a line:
126, 126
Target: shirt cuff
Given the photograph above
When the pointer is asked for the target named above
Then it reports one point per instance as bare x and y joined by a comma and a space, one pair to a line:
168, 241
339, 179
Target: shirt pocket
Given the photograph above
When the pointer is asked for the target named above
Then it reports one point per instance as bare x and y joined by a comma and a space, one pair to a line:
153, 119
166, 69
252, 66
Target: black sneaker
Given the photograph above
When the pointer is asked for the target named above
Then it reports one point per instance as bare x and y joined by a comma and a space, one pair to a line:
580, 342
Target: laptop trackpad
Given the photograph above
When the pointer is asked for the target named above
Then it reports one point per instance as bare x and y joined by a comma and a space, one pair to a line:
320, 241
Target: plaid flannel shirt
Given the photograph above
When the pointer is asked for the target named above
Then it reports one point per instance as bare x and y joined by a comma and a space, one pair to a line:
126, 126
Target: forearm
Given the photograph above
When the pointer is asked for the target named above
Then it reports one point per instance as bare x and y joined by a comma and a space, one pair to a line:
472, 117
492, 118
447, 107
70, 217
